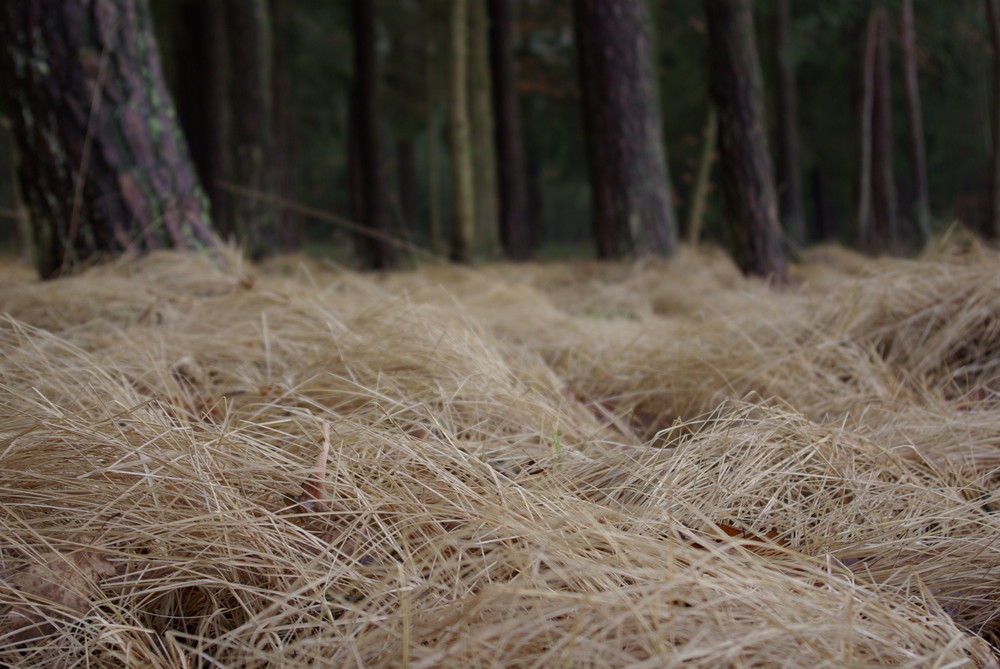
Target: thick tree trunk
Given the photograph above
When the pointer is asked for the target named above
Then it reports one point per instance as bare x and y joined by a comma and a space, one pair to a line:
630, 191
251, 48
104, 167
992, 231
482, 127
463, 183
789, 179
883, 175
373, 249
747, 179
511, 171
914, 112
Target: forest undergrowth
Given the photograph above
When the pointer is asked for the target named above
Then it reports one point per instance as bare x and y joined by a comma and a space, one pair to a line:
655, 464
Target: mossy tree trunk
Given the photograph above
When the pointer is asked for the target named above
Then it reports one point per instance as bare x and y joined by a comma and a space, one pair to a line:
104, 167
630, 190
252, 61
463, 183
511, 173
373, 249
747, 178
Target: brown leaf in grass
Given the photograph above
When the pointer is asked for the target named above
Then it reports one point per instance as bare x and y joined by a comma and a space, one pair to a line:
57, 586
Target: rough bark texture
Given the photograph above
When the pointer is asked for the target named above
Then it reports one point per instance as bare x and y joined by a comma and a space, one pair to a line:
992, 230
511, 171
373, 249
463, 185
914, 112
747, 181
631, 202
789, 179
883, 176
251, 48
103, 165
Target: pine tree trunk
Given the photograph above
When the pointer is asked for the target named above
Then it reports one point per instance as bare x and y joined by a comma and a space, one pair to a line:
914, 112
866, 222
883, 176
482, 127
992, 231
103, 167
373, 250
789, 179
630, 191
747, 179
251, 48
511, 170
463, 183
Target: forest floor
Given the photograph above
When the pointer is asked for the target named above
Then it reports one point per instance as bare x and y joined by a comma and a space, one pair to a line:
208, 464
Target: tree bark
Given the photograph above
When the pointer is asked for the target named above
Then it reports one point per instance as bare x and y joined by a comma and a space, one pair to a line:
482, 125
914, 112
866, 224
511, 171
463, 183
104, 167
289, 233
789, 177
373, 250
747, 178
251, 49
992, 231
883, 175
631, 202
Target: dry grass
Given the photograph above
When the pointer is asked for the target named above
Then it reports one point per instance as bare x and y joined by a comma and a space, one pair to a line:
586, 464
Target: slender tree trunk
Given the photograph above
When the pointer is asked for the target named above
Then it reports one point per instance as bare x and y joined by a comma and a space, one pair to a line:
992, 231
482, 127
699, 198
632, 207
918, 151
511, 170
883, 175
103, 165
789, 178
826, 227
251, 48
373, 250
463, 183
406, 173
289, 236
866, 223
747, 177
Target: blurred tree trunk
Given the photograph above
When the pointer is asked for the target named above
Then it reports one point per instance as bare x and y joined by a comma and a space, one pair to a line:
513, 189
630, 190
866, 225
992, 231
463, 183
789, 178
289, 234
747, 179
201, 84
482, 126
918, 150
406, 172
103, 165
883, 175
826, 228
251, 50
373, 248
699, 198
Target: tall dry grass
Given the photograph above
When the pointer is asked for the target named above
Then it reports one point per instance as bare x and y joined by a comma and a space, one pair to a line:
577, 464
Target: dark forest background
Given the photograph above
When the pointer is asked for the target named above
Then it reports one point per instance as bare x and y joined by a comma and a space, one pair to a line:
313, 44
